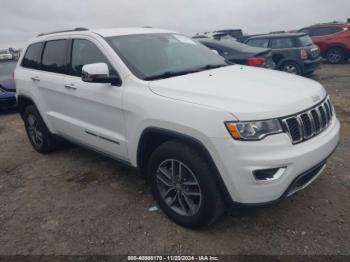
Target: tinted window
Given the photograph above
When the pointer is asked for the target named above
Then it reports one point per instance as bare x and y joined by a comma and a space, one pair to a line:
324, 31
258, 42
32, 57
85, 52
284, 42
305, 40
54, 56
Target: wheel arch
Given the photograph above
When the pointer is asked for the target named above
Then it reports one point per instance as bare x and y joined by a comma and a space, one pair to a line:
336, 45
23, 101
152, 137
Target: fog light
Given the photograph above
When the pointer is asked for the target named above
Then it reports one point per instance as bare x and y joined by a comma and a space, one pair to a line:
269, 174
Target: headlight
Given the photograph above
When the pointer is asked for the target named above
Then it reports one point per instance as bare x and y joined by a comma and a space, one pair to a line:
256, 130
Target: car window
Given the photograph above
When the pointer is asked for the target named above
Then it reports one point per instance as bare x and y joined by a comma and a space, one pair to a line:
278, 43
85, 52
321, 31
54, 56
258, 42
32, 58
152, 55
305, 40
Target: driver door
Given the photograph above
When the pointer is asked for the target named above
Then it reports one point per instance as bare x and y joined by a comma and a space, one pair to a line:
95, 109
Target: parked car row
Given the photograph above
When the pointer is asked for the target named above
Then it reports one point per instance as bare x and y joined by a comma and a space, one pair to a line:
298, 53
9, 54
5, 55
293, 53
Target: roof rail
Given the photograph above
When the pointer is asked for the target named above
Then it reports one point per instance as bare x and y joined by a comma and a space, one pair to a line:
64, 31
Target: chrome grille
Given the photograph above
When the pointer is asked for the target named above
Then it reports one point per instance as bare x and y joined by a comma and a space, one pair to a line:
310, 123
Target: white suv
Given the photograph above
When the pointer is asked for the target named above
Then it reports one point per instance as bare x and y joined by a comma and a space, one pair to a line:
206, 133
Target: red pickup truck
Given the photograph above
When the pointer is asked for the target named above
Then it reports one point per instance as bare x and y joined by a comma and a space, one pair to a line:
333, 40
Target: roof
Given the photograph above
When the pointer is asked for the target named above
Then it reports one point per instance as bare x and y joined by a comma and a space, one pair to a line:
278, 35
130, 31
335, 24
109, 31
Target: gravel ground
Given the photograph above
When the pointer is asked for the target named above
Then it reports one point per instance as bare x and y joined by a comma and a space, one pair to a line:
76, 202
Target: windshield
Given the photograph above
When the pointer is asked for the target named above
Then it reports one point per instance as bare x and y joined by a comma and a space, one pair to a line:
156, 56
305, 40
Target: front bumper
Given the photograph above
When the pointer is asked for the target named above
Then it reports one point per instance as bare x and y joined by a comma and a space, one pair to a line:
311, 65
237, 160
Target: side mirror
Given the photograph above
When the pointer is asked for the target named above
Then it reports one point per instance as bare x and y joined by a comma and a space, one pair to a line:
215, 51
98, 73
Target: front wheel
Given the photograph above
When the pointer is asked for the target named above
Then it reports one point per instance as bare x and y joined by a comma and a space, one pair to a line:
291, 68
183, 185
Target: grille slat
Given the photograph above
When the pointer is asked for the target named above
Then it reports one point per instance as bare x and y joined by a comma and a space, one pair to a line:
309, 123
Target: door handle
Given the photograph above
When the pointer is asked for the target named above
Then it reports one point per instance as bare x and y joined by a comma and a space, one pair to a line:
70, 86
35, 78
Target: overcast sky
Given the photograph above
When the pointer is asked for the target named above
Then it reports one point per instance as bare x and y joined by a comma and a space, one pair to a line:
21, 20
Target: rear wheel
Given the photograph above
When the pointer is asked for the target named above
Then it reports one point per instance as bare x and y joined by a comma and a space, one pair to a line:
38, 133
335, 55
183, 185
291, 68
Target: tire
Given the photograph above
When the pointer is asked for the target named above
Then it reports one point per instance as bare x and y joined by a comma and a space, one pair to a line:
291, 68
194, 201
335, 55
38, 133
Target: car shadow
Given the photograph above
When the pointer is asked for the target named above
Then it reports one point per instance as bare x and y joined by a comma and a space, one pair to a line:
4, 112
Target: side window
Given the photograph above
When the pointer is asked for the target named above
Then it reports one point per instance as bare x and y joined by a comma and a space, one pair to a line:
32, 58
258, 42
278, 43
85, 52
321, 31
54, 56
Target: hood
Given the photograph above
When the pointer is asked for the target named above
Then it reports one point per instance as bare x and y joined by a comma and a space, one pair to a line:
249, 93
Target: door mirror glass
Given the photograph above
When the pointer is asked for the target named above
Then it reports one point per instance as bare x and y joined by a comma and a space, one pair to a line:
98, 73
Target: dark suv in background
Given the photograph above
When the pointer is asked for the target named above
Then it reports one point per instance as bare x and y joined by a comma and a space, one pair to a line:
333, 40
292, 52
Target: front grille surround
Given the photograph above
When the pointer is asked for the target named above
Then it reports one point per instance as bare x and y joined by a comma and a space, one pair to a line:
309, 123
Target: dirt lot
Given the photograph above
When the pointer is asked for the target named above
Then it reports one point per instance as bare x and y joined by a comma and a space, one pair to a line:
77, 202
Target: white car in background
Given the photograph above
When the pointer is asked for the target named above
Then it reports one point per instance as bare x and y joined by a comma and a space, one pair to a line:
206, 134
5, 55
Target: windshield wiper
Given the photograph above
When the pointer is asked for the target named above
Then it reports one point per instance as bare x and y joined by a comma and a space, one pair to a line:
169, 74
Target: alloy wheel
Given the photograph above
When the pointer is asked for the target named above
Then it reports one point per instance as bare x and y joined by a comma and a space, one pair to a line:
179, 187
34, 131
334, 56
290, 69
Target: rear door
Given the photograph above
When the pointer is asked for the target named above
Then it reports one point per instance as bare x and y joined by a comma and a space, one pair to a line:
283, 49
94, 110
49, 81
